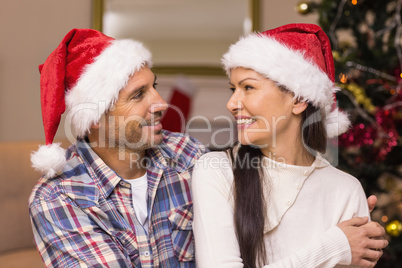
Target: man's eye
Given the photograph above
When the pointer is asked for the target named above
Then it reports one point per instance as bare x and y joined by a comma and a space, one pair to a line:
248, 87
232, 89
155, 84
138, 95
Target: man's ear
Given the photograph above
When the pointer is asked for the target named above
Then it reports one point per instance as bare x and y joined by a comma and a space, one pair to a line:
299, 105
96, 125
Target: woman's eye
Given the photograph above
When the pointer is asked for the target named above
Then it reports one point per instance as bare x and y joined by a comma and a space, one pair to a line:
248, 87
232, 89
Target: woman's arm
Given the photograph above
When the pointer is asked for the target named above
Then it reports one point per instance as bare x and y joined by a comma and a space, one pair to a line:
215, 240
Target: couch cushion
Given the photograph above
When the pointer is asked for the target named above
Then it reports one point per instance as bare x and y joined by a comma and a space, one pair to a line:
21, 258
17, 178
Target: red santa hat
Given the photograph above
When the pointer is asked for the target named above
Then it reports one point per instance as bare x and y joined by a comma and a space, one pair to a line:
83, 74
299, 57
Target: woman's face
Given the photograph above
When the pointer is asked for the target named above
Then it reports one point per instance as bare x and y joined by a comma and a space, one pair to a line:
264, 113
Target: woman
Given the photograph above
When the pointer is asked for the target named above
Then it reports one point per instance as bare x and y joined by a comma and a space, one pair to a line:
272, 200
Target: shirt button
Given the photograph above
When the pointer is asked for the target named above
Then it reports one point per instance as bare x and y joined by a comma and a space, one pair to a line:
298, 186
305, 172
190, 223
288, 202
146, 253
122, 183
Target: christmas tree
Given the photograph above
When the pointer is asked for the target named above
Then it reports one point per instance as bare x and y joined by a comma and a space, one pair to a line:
366, 38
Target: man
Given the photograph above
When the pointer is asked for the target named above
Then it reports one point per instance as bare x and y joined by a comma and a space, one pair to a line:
120, 196
85, 212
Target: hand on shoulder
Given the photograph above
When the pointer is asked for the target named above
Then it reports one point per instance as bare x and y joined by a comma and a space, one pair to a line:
366, 240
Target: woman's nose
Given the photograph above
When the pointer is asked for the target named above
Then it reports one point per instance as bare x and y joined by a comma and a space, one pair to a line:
235, 102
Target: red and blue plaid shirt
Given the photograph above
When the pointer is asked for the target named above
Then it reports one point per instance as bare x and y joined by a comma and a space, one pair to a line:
85, 217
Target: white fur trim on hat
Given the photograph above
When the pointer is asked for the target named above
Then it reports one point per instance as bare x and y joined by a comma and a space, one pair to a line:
101, 81
49, 159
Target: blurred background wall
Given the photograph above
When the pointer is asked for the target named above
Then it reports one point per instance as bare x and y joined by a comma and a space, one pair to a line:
30, 30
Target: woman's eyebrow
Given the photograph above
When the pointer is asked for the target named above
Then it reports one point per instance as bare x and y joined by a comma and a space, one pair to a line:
248, 78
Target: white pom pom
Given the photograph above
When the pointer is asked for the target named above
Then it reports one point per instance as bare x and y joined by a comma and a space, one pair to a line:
336, 123
49, 159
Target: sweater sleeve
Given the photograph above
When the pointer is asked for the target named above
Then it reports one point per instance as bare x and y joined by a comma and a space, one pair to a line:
357, 203
327, 250
215, 237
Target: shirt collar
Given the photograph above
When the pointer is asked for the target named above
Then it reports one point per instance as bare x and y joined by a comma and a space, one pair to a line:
157, 157
105, 178
319, 162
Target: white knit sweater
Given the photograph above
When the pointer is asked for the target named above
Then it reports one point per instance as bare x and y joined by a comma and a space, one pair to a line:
304, 206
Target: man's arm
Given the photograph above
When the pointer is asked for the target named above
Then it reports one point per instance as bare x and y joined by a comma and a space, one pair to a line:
366, 239
67, 237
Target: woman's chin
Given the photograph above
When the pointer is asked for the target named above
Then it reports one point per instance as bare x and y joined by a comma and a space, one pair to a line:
252, 141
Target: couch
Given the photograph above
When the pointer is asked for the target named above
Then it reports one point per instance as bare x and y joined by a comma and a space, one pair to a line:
17, 178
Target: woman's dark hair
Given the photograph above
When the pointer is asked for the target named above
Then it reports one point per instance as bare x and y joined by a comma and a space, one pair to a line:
249, 201
250, 210
313, 131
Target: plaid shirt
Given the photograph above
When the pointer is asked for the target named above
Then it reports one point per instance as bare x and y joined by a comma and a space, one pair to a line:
85, 217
